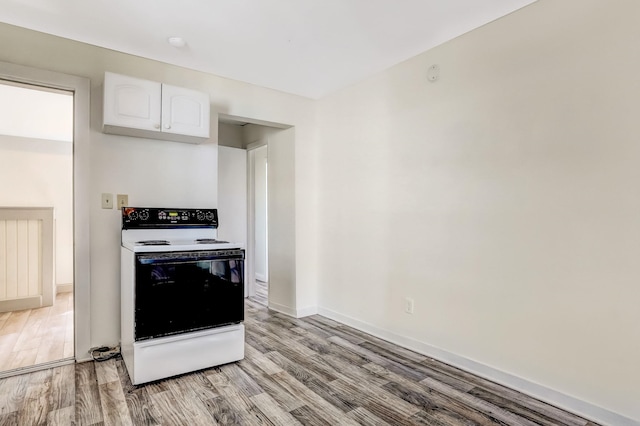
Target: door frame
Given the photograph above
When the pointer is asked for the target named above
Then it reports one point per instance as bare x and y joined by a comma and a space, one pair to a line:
250, 274
80, 86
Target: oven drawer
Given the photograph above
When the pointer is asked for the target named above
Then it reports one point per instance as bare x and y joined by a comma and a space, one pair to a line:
169, 356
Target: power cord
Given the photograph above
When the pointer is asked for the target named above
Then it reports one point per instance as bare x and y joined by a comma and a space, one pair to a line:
103, 353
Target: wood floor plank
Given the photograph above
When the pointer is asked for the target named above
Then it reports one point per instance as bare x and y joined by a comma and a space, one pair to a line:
62, 392
188, 401
364, 417
436, 408
421, 370
308, 417
354, 372
85, 373
9, 419
201, 386
140, 410
303, 368
331, 413
137, 398
107, 372
335, 330
114, 405
380, 360
273, 411
539, 417
88, 409
226, 415
23, 358
271, 386
280, 343
35, 407
258, 358
325, 346
165, 408
241, 380
61, 417
12, 393
378, 401
383, 347
15, 322
478, 404
245, 409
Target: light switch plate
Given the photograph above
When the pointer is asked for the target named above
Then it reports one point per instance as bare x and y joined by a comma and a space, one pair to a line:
122, 200
107, 201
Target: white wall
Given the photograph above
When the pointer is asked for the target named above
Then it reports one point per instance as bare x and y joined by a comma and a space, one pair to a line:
160, 173
38, 173
503, 198
232, 194
281, 208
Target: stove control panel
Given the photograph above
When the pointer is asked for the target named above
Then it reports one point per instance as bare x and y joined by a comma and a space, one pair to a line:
152, 217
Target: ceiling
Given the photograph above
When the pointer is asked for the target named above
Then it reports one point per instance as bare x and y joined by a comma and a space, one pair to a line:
304, 47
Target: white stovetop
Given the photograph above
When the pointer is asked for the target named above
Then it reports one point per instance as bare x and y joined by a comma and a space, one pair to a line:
179, 239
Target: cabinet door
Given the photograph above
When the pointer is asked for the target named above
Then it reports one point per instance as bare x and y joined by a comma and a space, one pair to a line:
131, 102
184, 111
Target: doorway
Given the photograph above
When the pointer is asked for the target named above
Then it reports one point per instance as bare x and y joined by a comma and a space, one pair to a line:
75, 287
270, 233
242, 199
36, 225
258, 177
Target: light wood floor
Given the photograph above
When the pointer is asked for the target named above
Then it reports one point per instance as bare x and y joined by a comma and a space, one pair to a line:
36, 336
310, 371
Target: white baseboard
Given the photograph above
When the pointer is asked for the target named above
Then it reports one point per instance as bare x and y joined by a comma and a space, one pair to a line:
295, 313
282, 309
64, 288
261, 277
32, 302
542, 393
305, 312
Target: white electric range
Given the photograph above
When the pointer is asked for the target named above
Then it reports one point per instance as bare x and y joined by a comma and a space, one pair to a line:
182, 293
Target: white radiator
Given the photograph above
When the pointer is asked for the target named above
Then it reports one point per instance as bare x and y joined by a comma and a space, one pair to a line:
26, 258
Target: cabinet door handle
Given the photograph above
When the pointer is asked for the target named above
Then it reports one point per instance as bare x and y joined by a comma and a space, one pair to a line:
157, 126
168, 126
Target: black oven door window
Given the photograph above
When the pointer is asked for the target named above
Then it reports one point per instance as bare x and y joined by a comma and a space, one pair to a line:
183, 292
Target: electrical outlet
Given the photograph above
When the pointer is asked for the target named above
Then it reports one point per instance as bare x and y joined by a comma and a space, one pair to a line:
408, 305
122, 200
107, 201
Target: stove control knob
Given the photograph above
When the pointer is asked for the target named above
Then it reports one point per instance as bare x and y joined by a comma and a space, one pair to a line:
144, 215
133, 215
209, 216
200, 215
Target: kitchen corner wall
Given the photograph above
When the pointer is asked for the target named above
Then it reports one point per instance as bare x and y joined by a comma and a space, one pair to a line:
161, 173
502, 198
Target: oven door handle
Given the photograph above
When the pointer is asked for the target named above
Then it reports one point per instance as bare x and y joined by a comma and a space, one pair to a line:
189, 256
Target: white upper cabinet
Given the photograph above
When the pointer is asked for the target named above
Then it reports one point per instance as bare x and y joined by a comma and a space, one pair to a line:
142, 108
185, 111
132, 102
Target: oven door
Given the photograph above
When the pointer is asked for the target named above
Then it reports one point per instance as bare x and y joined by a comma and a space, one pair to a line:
180, 292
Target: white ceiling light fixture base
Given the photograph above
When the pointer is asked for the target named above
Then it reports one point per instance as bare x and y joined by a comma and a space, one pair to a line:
177, 41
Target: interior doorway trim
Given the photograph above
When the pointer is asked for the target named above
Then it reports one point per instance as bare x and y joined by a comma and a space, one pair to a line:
250, 269
80, 86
